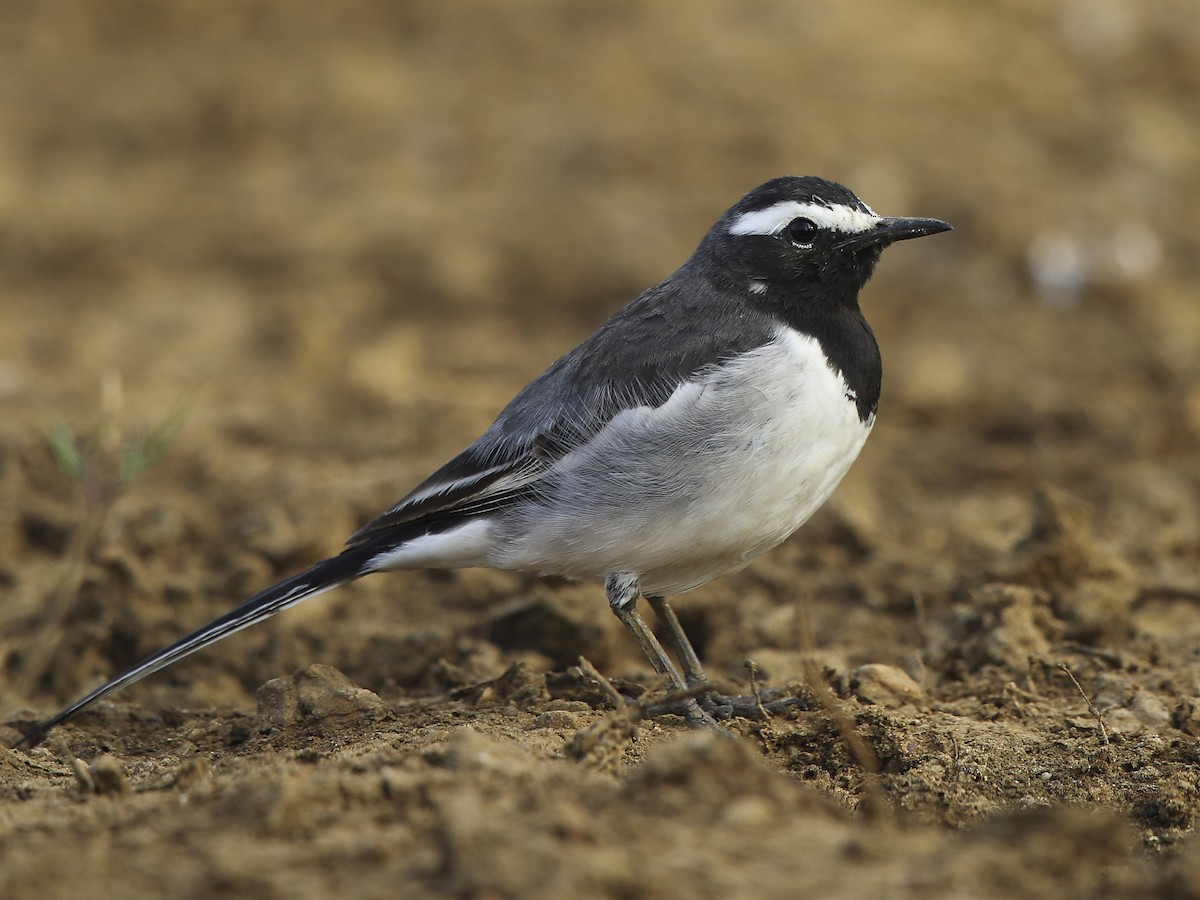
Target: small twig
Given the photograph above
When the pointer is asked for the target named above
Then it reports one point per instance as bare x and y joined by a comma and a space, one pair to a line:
602, 744
922, 621
648, 705
1088, 700
752, 668
586, 667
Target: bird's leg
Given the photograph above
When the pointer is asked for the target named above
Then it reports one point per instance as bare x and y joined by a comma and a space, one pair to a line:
717, 705
623, 592
692, 669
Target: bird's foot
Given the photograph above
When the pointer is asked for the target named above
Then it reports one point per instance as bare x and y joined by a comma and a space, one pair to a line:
709, 708
688, 703
763, 705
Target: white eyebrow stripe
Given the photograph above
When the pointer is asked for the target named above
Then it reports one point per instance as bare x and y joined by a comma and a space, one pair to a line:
773, 219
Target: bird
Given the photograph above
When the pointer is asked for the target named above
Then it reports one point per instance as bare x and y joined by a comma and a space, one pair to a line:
699, 427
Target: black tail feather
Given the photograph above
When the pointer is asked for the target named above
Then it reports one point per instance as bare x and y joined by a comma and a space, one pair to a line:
323, 576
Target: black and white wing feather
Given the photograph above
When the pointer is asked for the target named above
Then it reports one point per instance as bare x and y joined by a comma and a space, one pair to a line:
639, 358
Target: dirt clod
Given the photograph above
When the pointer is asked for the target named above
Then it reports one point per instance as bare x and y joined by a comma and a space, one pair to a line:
315, 692
103, 775
884, 685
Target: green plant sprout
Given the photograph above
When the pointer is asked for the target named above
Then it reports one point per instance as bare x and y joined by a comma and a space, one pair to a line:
105, 461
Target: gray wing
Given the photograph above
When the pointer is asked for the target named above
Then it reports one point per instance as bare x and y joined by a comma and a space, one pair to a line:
638, 358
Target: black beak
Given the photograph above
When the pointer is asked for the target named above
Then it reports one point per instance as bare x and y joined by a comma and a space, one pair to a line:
890, 230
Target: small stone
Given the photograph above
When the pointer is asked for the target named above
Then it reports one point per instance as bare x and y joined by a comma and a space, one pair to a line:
559, 719
884, 685
314, 692
323, 692
277, 706
576, 706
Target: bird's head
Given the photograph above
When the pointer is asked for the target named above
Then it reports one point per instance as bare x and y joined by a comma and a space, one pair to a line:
806, 234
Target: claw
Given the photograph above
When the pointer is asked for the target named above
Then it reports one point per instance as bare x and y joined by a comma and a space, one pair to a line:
774, 702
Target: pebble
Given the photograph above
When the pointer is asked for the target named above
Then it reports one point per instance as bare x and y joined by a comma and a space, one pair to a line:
314, 692
884, 685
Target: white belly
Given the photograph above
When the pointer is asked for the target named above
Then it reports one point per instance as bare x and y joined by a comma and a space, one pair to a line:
696, 488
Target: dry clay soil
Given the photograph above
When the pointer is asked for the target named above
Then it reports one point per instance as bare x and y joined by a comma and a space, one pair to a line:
328, 242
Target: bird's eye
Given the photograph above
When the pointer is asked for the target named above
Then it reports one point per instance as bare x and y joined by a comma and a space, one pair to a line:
802, 231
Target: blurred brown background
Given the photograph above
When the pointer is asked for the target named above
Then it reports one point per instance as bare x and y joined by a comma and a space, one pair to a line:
340, 236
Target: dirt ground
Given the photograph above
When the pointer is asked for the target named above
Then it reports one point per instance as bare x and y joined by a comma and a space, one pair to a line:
329, 241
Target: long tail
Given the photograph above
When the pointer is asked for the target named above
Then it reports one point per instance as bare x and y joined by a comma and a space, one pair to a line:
325, 575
